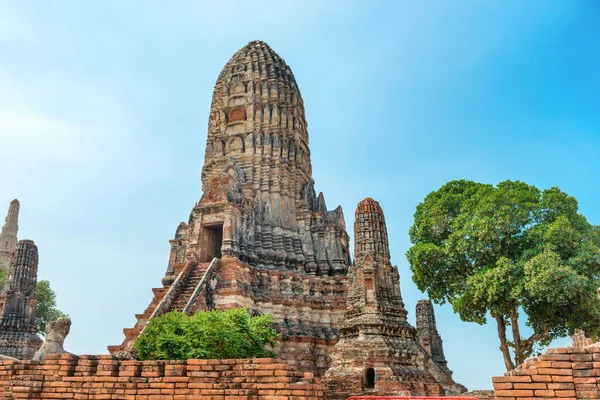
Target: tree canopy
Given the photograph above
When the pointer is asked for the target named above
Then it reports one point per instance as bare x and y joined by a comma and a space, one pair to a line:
46, 310
209, 334
512, 251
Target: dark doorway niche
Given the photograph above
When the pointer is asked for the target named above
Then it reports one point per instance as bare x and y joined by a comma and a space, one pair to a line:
213, 239
369, 378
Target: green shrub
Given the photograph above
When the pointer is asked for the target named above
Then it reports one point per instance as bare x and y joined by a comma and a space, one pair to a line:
208, 334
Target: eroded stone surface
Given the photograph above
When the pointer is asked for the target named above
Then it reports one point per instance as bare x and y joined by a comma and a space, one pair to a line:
428, 334
8, 235
56, 332
18, 336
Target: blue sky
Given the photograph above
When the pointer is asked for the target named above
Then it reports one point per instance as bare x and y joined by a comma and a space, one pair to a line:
104, 109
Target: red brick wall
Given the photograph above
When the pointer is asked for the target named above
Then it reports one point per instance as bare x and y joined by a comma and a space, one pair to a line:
102, 377
572, 373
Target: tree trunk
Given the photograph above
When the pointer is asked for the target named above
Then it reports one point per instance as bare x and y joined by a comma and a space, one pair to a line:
504, 343
514, 322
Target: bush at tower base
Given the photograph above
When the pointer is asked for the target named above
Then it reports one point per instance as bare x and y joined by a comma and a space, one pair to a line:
207, 335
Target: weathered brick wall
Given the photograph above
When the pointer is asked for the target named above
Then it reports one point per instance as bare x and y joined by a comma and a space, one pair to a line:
572, 373
103, 377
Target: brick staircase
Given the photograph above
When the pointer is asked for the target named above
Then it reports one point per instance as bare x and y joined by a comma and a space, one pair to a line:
188, 287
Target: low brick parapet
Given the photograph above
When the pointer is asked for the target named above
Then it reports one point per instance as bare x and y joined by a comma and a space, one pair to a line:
567, 373
103, 377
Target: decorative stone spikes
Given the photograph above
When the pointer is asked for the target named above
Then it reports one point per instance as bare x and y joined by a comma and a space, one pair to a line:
17, 318
428, 334
8, 235
370, 232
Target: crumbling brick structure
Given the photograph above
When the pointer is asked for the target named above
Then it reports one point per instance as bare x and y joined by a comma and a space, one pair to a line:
18, 303
378, 352
103, 377
568, 373
260, 237
428, 334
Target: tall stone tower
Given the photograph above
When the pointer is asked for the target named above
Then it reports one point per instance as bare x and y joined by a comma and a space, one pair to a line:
18, 336
378, 351
259, 203
8, 235
279, 250
428, 334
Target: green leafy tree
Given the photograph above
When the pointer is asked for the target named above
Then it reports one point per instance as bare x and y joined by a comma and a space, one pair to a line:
46, 310
210, 334
521, 255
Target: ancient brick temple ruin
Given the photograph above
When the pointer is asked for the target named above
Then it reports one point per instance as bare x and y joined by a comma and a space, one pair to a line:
428, 334
261, 238
378, 350
18, 336
8, 235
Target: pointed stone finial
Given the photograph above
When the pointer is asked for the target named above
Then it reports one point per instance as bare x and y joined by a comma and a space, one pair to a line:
8, 235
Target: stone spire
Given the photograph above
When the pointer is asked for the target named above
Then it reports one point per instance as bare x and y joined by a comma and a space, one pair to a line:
8, 235
259, 203
17, 317
374, 282
428, 334
370, 232
378, 352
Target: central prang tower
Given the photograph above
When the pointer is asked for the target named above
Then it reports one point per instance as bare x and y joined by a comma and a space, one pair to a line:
259, 203
276, 248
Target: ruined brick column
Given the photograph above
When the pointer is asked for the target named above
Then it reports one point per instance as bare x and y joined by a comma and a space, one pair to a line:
18, 336
8, 235
428, 334
378, 352
580, 340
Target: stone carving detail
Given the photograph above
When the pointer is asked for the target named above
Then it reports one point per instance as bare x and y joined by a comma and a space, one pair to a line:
18, 336
8, 235
236, 114
56, 332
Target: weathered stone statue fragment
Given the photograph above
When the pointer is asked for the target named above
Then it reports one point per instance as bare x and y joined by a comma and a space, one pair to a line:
56, 332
